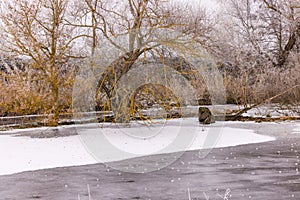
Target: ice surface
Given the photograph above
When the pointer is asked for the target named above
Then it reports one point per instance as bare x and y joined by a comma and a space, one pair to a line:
20, 154
296, 130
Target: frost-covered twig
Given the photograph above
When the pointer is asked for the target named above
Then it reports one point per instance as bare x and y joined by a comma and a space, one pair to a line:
226, 195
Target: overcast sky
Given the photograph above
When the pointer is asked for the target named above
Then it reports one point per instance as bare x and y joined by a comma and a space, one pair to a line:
211, 5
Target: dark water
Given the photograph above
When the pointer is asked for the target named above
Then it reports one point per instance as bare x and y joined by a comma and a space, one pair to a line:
256, 171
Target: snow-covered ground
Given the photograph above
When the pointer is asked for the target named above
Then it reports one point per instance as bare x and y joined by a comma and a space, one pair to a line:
18, 154
273, 111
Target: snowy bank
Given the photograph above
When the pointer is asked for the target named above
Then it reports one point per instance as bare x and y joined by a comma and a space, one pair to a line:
20, 154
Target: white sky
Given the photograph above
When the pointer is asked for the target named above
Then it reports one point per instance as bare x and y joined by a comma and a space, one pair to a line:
210, 4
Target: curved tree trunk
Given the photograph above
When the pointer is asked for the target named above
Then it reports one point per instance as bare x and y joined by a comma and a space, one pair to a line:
121, 66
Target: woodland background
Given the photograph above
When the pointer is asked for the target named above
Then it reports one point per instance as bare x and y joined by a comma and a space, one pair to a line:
255, 44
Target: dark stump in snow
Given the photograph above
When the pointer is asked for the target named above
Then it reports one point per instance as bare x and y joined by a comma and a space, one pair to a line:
205, 116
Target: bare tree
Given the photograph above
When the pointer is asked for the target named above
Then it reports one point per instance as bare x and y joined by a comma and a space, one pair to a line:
257, 42
270, 27
37, 30
139, 20
50, 33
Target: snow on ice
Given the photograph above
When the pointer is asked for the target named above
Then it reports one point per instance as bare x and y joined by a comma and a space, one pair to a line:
20, 154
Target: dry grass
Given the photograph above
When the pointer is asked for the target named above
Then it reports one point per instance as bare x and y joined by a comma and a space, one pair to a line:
251, 89
23, 93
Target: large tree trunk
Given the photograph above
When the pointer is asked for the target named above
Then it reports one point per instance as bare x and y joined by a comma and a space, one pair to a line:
108, 82
54, 117
121, 66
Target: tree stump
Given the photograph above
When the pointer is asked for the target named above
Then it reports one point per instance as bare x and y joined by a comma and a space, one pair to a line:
205, 116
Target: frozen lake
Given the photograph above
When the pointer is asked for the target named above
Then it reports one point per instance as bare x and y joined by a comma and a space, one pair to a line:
96, 144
